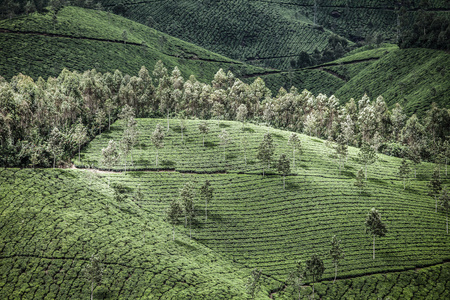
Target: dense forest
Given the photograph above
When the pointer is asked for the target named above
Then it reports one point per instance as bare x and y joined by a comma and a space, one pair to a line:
46, 122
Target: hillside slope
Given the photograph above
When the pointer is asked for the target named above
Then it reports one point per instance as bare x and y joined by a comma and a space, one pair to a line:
415, 78
52, 221
83, 39
260, 224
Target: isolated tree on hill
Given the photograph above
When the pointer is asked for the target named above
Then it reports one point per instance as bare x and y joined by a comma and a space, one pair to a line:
244, 146
129, 140
414, 156
217, 111
206, 193
444, 203
295, 278
284, 167
55, 144
296, 145
341, 152
266, 150
173, 215
314, 270
435, 185
187, 196
310, 123
225, 139
157, 140
93, 272
80, 136
336, 254
374, 226
124, 36
242, 114
126, 114
359, 180
254, 282
110, 155
367, 156
403, 171
347, 128
204, 129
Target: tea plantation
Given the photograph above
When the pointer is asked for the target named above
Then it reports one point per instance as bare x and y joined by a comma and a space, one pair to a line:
256, 223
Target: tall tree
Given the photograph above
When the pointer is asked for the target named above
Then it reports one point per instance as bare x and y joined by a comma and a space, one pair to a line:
444, 203
265, 150
336, 254
244, 146
80, 136
435, 185
367, 156
206, 193
374, 226
295, 278
314, 270
254, 282
284, 167
93, 272
403, 171
110, 155
157, 140
359, 180
296, 145
55, 144
187, 195
341, 152
242, 114
204, 129
225, 139
173, 215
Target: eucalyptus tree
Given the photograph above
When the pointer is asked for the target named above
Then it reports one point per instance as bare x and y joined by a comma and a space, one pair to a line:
93, 272
336, 254
341, 152
55, 144
242, 114
314, 270
80, 136
110, 155
403, 171
444, 201
225, 139
367, 156
284, 167
206, 193
204, 129
187, 195
435, 185
374, 226
265, 150
296, 277
157, 139
296, 145
173, 215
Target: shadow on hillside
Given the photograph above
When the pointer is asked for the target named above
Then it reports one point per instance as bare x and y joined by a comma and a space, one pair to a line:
168, 163
177, 128
142, 146
231, 156
223, 125
377, 181
141, 162
292, 186
348, 174
187, 246
210, 144
278, 136
248, 129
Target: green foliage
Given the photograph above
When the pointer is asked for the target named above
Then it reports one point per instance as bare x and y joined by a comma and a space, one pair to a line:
254, 282
55, 219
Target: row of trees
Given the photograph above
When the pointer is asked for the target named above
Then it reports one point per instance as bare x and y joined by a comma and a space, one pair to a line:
30, 111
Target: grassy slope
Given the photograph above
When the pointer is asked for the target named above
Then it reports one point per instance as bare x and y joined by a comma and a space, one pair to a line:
244, 30
52, 221
412, 77
257, 223
38, 55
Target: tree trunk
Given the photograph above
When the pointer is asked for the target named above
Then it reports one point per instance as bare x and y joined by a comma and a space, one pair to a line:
54, 161
335, 272
206, 210
92, 290
79, 149
404, 185
167, 121
109, 121
203, 140
156, 158
173, 233
374, 246
185, 221
293, 157
365, 173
